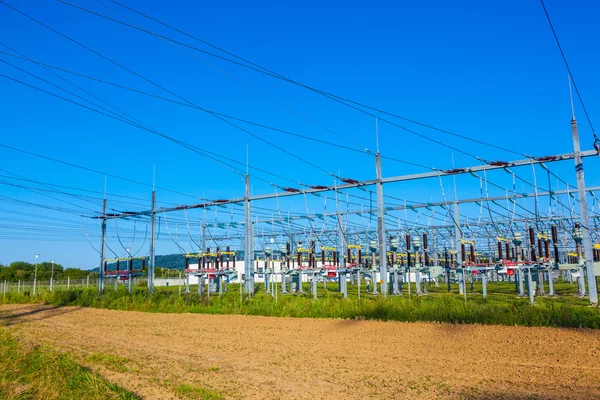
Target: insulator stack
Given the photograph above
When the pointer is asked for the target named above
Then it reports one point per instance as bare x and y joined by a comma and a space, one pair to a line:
446, 259
349, 255
547, 248
463, 252
539, 243
322, 257
532, 243
425, 249
472, 253
228, 251
555, 242
217, 258
500, 250
408, 250
359, 257
335, 258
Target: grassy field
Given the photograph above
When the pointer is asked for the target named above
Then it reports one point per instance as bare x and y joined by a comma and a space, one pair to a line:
502, 306
37, 372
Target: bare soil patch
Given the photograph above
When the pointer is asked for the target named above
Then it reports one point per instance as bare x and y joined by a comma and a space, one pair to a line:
153, 355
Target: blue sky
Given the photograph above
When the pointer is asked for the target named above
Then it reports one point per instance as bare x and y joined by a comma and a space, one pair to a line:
487, 70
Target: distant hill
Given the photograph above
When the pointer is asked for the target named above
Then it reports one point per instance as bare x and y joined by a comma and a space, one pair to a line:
177, 261
170, 261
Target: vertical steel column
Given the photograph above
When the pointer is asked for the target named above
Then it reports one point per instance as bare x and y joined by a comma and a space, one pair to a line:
530, 285
247, 236
484, 283
152, 244
583, 212
187, 275
130, 276
435, 253
252, 256
102, 247
342, 259
381, 228
459, 258
203, 243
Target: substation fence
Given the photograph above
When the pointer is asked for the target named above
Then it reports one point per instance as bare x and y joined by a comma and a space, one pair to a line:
39, 287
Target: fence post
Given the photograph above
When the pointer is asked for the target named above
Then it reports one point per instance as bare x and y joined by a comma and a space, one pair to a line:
68, 282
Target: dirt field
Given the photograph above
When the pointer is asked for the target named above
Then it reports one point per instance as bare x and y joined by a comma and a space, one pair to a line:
281, 358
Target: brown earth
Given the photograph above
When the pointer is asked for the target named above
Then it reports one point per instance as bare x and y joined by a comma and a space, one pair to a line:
285, 358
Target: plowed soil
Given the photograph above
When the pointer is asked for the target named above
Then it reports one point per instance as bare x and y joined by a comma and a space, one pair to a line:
285, 358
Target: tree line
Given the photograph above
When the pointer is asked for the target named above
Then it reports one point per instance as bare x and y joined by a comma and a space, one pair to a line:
24, 271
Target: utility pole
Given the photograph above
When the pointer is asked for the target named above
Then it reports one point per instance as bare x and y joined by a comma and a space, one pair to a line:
35, 273
152, 243
52, 278
248, 267
341, 251
459, 260
341, 242
381, 229
102, 243
583, 212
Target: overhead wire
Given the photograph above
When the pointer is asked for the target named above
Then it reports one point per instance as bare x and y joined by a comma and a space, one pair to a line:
261, 69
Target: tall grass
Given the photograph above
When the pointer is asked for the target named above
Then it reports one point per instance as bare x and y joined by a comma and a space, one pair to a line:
500, 309
41, 373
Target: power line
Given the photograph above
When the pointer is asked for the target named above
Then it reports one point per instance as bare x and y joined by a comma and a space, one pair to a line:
279, 148
92, 170
261, 69
228, 116
562, 53
160, 87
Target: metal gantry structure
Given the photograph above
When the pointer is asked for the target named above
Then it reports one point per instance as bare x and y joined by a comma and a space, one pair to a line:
451, 236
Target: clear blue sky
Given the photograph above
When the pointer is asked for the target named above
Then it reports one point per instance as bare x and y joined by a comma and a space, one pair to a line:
488, 70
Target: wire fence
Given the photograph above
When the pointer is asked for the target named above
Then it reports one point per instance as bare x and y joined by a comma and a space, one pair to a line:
43, 286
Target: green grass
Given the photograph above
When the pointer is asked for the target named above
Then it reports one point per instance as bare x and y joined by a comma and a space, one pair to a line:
113, 362
41, 373
197, 392
502, 307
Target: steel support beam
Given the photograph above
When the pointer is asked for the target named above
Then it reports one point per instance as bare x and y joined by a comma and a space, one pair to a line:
381, 229
102, 248
370, 182
458, 240
152, 244
248, 267
583, 213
